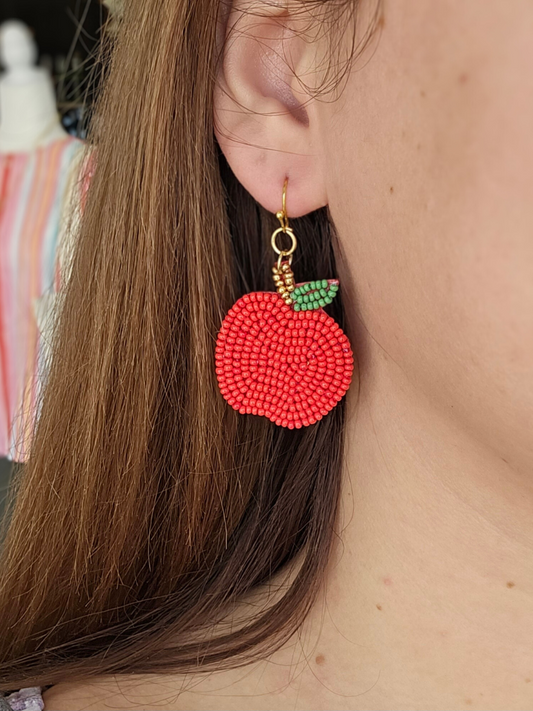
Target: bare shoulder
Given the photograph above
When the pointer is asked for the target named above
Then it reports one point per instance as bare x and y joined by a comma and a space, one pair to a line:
231, 690
62, 697
108, 693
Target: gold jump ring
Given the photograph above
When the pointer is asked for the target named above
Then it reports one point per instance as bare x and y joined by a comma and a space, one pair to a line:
286, 230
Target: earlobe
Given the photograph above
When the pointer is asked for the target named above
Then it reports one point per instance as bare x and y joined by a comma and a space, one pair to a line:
266, 124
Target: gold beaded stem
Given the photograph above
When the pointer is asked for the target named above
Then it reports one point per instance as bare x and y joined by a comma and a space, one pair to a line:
284, 281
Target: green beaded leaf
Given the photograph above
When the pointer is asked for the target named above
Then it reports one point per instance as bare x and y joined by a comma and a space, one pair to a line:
314, 294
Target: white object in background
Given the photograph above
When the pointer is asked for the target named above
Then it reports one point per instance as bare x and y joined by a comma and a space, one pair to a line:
28, 111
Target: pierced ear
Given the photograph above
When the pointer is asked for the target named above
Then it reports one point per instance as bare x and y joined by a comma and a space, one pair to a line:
266, 123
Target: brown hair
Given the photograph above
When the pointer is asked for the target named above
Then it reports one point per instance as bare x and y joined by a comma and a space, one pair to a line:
148, 507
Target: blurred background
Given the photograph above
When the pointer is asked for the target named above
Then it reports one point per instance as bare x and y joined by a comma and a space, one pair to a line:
66, 34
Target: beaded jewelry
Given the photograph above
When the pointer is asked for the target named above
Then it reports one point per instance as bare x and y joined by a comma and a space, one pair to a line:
279, 354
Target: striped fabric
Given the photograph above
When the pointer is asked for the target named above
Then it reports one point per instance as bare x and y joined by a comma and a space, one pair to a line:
33, 189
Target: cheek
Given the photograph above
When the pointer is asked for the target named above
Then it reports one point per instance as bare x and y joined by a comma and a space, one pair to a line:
430, 189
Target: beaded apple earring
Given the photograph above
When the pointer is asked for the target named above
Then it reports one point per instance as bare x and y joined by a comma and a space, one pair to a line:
278, 354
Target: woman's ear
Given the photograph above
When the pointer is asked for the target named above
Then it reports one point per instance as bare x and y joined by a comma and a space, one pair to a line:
266, 121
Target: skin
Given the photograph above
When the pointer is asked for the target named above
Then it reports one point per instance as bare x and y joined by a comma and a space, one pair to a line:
426, 163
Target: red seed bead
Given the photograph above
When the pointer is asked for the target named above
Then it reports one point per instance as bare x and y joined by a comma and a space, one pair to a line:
289, 366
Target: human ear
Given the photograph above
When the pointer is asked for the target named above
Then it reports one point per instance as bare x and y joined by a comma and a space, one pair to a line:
266, 119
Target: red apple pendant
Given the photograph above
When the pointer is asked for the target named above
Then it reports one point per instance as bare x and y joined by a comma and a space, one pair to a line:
281, 356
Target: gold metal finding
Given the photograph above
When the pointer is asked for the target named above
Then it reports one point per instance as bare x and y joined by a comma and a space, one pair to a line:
282, 272
283, 252
284, 222
282, 214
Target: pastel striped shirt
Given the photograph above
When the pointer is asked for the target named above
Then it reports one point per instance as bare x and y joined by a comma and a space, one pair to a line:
33, 207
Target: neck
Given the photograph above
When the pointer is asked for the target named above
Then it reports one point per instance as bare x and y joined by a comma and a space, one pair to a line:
28, 111
430, 592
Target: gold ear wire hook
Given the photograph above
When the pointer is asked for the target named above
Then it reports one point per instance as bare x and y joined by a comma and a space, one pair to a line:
284, 222
282, 214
